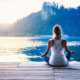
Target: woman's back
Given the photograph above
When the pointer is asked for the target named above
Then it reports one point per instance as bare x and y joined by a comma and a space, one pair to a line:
57, 47
57, 54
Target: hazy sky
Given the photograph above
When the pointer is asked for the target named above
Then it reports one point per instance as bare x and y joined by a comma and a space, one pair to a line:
11, 10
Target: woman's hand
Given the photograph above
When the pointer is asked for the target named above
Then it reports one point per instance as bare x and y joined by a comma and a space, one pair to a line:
42, 55
72, 52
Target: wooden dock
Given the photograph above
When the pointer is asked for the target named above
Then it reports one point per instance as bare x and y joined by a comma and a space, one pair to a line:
15, 71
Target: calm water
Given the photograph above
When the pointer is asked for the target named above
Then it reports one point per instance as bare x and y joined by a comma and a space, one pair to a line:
17, 49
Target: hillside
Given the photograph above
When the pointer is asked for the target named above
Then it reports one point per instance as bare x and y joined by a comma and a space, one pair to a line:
42, 22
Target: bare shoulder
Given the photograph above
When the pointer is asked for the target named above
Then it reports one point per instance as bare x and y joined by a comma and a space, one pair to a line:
51, 42
64, 42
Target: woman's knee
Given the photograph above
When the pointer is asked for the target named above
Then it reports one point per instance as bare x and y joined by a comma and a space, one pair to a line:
68, 55
46, 58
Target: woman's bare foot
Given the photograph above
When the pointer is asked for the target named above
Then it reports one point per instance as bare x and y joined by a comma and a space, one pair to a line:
48, 56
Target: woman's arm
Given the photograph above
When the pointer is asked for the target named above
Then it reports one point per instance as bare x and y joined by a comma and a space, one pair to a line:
65, 47
48, 49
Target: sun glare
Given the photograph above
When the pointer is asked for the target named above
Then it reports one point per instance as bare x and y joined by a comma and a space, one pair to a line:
6, 13
11, 10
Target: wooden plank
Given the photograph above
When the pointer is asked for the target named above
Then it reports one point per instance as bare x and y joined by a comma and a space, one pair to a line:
34, 67
9, 63
2, 73
12, 71
4, 66
67, 76
26, 69
66, 71
7, 68
2, 70
29, 74
30, 77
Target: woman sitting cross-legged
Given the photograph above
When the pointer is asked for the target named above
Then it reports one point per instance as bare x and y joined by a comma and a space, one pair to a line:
57, 46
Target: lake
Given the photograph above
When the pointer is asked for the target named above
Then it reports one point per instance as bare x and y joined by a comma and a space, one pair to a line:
18, 49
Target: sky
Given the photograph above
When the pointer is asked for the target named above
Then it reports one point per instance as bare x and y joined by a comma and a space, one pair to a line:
11, 10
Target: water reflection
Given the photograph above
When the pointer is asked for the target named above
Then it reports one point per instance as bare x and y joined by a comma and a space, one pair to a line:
13, 49
34, 54
76, 55
17, 49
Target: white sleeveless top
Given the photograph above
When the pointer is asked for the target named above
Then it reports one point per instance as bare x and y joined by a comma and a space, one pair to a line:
57, 54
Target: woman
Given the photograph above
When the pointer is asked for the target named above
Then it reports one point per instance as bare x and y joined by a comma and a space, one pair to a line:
57, 46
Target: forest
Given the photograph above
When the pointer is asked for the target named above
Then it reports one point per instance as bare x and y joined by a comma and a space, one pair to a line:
67, 18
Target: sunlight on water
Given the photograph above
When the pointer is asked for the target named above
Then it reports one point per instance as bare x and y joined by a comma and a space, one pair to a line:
18, 49
9, 47
74, 43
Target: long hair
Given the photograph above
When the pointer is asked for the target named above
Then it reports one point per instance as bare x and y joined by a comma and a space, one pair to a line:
57, 30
